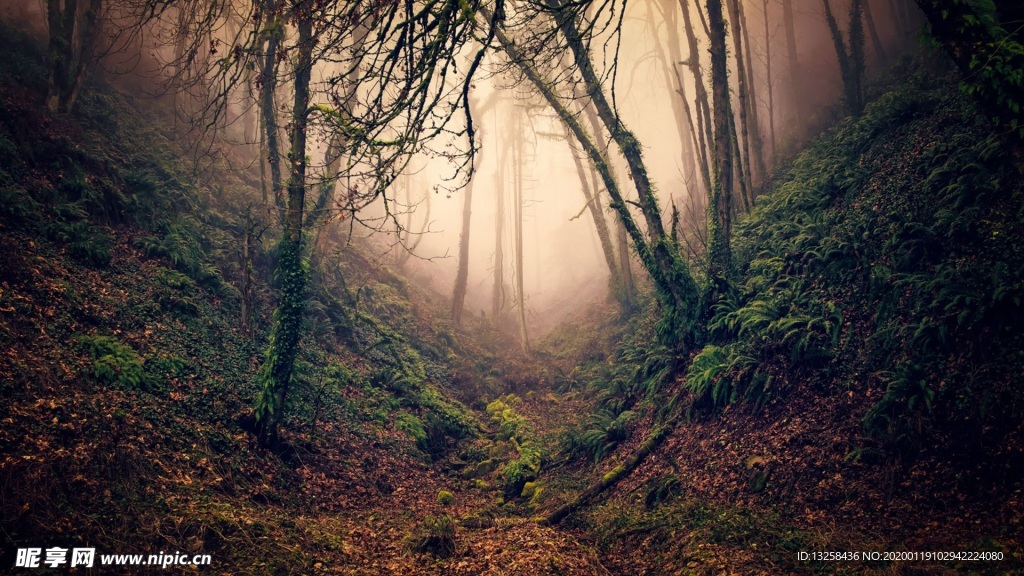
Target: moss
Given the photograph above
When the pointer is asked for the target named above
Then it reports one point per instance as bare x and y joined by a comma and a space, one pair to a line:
612, 475
528, 490
445, 498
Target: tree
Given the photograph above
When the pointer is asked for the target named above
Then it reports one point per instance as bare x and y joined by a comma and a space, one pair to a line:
703, 105
593, 205
850, 54
74, 33
462, 273
756, 142
770, 81
498, 289
989, 57
680, 105
518, 181
796, 73
292, 273
674, 285
720, 205
745, 172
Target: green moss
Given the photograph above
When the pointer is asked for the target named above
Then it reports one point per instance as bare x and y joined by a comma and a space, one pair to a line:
445, 498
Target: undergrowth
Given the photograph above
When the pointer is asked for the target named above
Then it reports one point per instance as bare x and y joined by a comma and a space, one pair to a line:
886, 249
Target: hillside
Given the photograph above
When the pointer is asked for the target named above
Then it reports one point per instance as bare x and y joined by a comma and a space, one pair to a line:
858, 389
861, 390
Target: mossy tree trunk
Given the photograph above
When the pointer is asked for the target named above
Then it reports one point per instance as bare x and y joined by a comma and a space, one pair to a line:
276, 374
720, 206
656, 437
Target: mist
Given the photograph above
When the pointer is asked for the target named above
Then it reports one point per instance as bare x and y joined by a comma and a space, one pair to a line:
415, 220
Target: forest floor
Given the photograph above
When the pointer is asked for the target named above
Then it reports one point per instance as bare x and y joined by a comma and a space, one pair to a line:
126, 382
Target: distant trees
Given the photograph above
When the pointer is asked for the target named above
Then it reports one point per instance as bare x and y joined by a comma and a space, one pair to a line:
345, 93
74, 32
674, 285
850, 54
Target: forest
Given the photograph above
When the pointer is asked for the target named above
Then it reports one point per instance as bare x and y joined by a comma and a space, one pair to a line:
512, 287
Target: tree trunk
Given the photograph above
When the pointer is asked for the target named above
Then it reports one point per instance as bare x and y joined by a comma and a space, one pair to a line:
287, 327
657, 436
743, 95
876, 42
771, 85
851, 62
796, 74
720, 260
518, 165
628, 296
89, 33
268, 82
700, 91
73, 37
742, 194
498, 292
681, 105
756, 142
462, 275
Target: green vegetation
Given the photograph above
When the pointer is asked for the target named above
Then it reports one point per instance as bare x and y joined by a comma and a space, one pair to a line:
864, 343
114, 363
436, 535
853, 248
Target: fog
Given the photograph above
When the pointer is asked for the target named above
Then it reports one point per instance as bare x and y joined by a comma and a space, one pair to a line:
563, 261
563, 264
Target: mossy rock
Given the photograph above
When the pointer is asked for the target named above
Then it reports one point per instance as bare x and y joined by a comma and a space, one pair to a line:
529, 489
445, 498
484, 468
